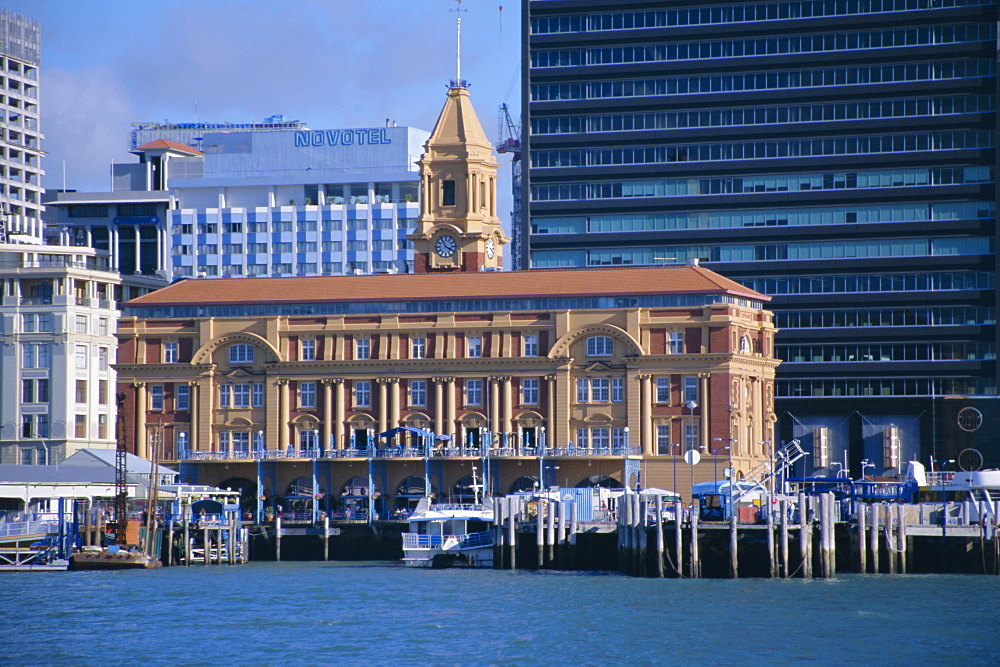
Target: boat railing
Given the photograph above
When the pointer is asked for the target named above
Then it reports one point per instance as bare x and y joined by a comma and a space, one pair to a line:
939, 477
473, 540
460, 507
415, 541
470, 541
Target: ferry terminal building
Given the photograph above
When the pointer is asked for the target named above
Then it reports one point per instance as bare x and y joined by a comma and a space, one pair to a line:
572, 377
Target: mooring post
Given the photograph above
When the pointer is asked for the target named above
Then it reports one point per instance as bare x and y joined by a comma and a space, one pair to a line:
890, 536
862, 547
512, 512
824, 534
659, 537
734, 561
901, 535
873, 534
233, 537
641, 525
563, 519
573, 527
170, 542
784, 538
326, 538
804, 536
550, 529
540, 532
498, 533
187, 535
277, 539
679, 537
695, 556
769, 520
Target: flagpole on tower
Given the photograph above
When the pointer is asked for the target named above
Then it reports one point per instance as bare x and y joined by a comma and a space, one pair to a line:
458, 44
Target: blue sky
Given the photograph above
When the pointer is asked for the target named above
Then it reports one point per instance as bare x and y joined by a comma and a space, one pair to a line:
329, 63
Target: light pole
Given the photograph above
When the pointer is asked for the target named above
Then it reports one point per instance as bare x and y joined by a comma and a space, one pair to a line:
628, 449
729, 472
865, 464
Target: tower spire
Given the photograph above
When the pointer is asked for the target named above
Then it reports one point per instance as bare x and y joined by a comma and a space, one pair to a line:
458, 45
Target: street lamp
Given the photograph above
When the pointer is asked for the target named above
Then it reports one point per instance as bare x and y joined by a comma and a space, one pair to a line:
865, 463
627, 448
729, 472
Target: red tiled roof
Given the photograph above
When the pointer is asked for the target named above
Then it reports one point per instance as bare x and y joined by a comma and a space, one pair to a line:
632, 281
161, 144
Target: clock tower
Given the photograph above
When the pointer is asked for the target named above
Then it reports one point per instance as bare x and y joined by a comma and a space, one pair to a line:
458, 229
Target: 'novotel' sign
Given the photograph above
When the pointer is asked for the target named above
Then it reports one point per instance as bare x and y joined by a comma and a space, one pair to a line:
377, 135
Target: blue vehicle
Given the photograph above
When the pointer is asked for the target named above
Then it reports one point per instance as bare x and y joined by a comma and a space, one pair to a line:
716, 501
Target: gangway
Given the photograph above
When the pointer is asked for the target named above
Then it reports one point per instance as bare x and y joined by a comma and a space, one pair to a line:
34, 541
764, 471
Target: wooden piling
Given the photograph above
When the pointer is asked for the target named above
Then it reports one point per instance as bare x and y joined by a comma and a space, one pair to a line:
769, 521
540, 533
862, 546
890, 537
901, 536
734, 561
641, 523
824, 534
805, 535
573, 527
326, 538
550, 530
206, 543
874, 536
512, 513
659, 537
679, 537
784, 538
695, 556
277, 539
170, 542
187, 539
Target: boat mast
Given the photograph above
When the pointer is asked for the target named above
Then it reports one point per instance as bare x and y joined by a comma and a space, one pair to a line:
121, 476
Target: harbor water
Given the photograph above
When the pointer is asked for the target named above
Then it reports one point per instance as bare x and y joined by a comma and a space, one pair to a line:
382, 613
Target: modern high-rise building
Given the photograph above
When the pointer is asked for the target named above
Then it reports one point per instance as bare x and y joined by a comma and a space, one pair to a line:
838, 155
20, 135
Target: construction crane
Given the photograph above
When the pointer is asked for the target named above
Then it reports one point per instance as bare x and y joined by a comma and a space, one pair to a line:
510, 142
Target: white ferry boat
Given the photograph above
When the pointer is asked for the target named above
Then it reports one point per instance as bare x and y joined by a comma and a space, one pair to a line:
449, 535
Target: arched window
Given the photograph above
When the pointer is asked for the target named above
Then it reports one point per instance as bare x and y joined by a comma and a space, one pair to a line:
524, 483
600, 346
409, 492
603, 481
241, 353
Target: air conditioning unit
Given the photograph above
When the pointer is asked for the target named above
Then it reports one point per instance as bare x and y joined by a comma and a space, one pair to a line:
890, 446
821, 447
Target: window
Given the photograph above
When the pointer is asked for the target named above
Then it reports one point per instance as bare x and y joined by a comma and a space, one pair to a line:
663, 390
258, 395
583, 438
418, 392
81, 356
418, 348
663, 439
102, 427
241, 353
80, 426
307, 394
473, 392
241, 396
81, 392
36, 322
224, 441
600, 438
599, 346
675, 343
102, 326
447, 193
362, 393
690, 388
308, 440
618, 437
81, 324
241, 441
35, 391
102, 358
690, 436
475, 346
155, 397
224, 395
529, 391
170, 353
102, 392
27, 426
582, 390
182, 396
599, 390
307, 350
531, 345
617, 390
362, 348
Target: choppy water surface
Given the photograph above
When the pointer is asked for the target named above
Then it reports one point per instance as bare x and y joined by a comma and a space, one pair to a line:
375, 613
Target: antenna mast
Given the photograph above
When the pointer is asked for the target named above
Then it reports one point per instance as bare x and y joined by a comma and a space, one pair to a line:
458, 45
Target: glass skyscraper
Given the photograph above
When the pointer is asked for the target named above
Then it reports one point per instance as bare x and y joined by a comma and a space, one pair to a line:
839, 155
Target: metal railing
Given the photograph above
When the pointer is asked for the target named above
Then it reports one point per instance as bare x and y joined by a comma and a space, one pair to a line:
409, 453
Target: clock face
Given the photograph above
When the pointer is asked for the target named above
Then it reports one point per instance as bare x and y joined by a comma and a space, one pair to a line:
445, 246
490, 248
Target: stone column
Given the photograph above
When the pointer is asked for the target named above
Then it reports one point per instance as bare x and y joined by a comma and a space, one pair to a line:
555, 410
327, 413
383, 404
705, 403
283, 414
496, 423
452, 410
394, 413
140, 419
439, 407
648, 438
508, 404
195, 395
338, 413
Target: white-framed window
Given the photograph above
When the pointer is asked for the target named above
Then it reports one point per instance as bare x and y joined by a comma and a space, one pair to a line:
35, 391
690, 388
81, 356
81, 324
618, 436
224, 395
170, 353
224, 441
530, 345
475, 347
690, 435
362, 348
617, 390
600, 438
307, 394
663, 389
599, 390
241, 395
675, 343
258, 395
102, 326
418, 392
36, 322
241, 441
418, 348
308, 440
663, 438
102, 358
583, 438
529, 391
182, 397
362, 393
241, 353
307, 350
600, 346
156, 397
582, 390
36, 355
473, 392
745, 345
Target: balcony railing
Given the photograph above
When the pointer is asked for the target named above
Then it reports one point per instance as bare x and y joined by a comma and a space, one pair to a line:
408, 453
